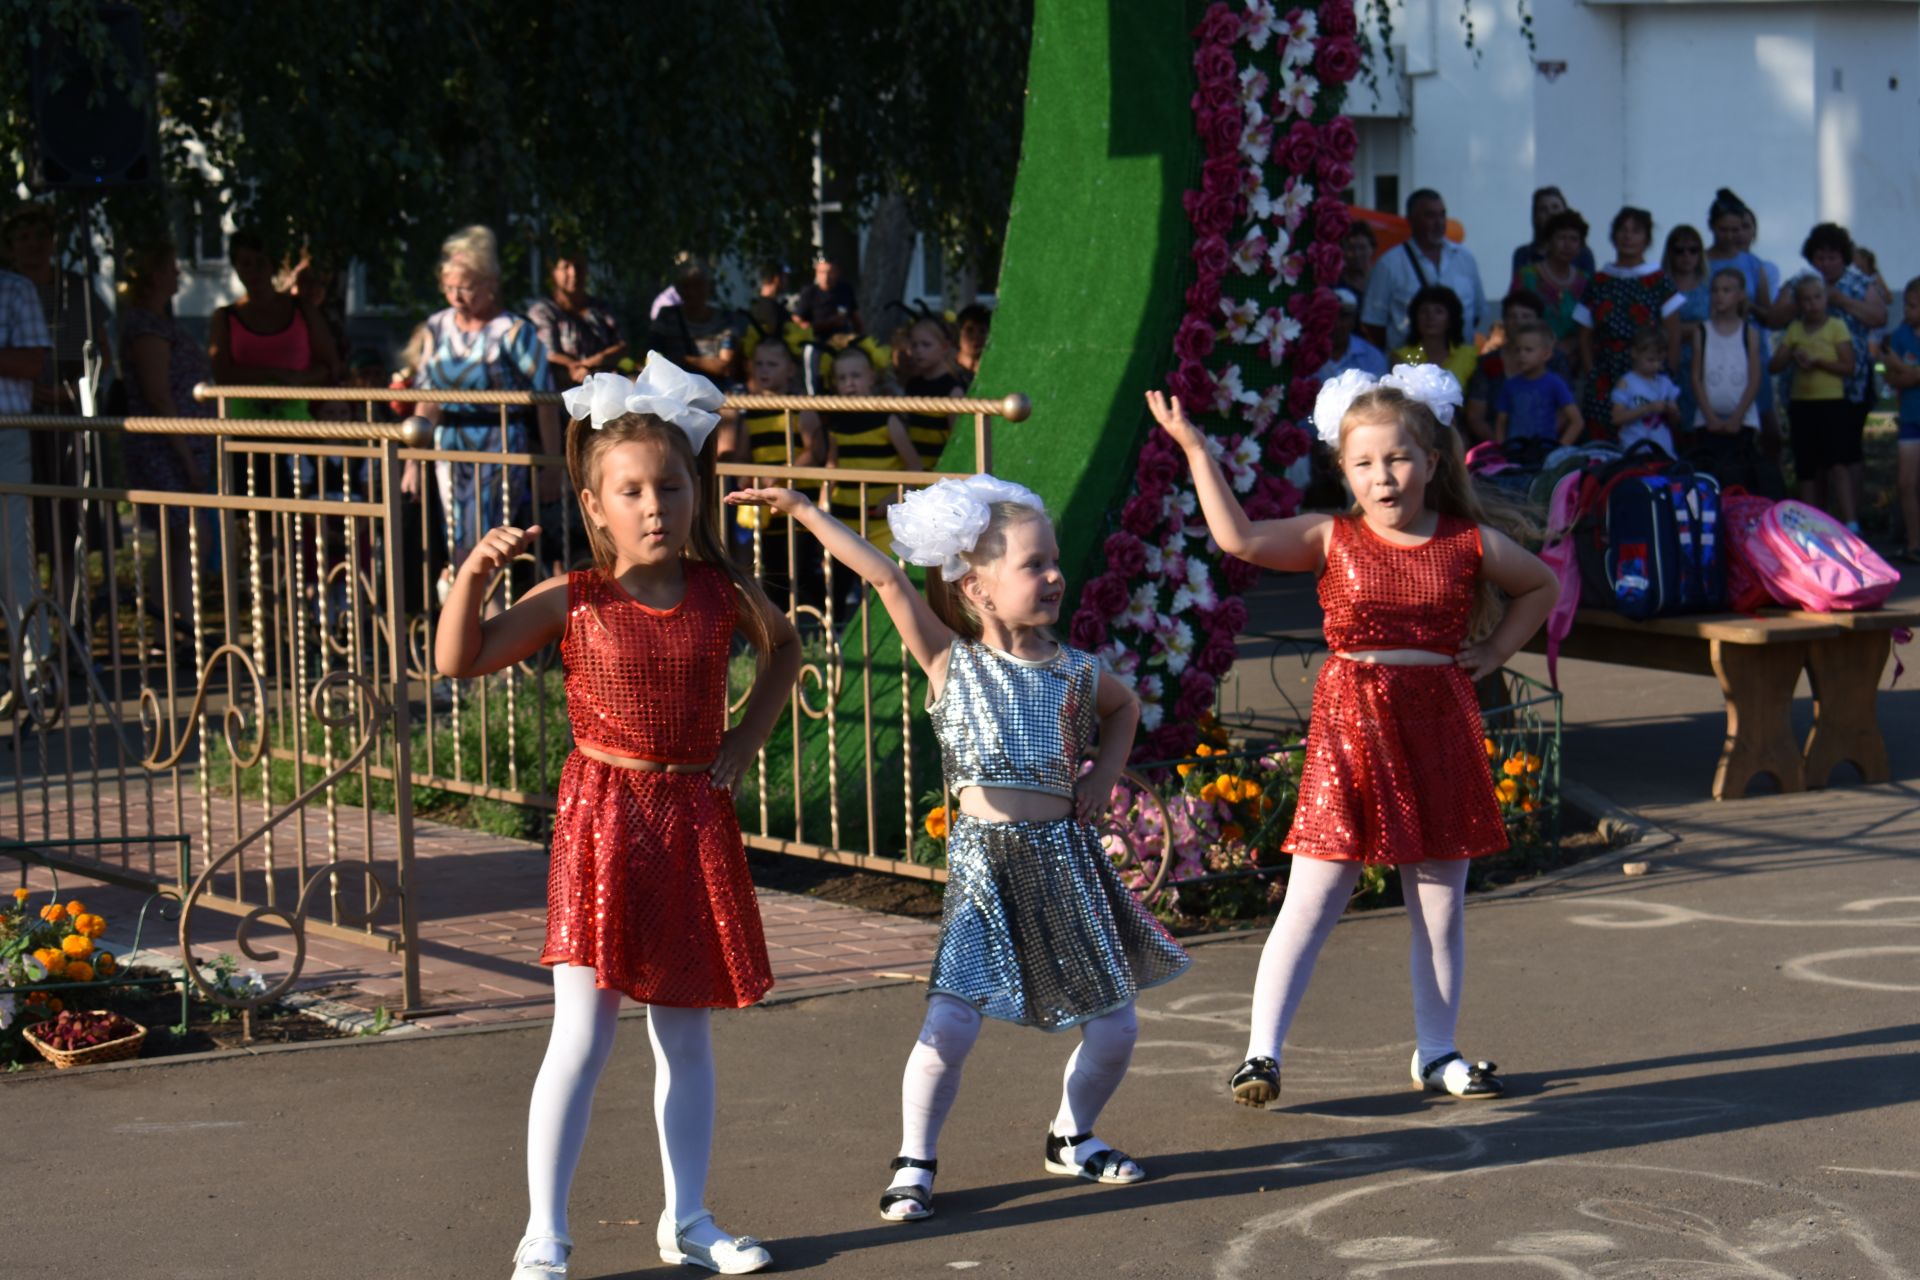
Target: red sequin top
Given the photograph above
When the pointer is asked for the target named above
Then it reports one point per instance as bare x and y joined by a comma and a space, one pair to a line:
649, 683
1380, 595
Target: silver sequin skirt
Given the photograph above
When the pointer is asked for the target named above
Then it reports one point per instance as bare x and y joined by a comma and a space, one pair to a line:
1038, 929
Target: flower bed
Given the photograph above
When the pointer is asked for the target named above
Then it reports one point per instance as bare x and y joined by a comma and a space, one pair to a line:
49, 960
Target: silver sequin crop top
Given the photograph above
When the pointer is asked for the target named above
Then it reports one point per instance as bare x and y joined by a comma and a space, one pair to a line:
1004, 721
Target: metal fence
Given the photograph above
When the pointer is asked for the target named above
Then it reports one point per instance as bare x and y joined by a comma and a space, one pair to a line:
250, 668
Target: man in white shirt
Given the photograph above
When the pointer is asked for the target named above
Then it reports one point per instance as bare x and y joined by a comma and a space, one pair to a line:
25, 348
1429, 258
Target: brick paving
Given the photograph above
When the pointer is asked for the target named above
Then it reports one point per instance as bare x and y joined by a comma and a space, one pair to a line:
480, 903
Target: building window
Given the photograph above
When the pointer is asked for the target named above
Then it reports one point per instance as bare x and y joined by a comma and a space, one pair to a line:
199, 236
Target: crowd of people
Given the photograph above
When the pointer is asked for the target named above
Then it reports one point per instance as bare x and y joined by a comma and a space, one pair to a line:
1704, 350
287, 328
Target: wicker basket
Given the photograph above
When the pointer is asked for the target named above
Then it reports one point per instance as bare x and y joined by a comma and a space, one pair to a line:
127, 1046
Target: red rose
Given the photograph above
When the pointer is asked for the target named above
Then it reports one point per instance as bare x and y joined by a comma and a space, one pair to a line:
1196, 695
1220, 25
1126, 555
1312, 351
1299, 149
1218, 655
1337, 60
1194, 340
1335, 175
1211, 255
1224, 175
1336, 18
1211, 212
1340, 138
1107, 594
1229, 616
1089, 630
1300, 394
1331, 221
1141, 515
1327, 260
1285, 445
1193, 384
1214, 68
1238, 574
1315, 309
1220, 130
1203, 295
1156, 474
1171, 741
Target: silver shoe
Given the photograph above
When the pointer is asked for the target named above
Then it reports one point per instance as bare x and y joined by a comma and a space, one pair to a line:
541, 1270
736, 1257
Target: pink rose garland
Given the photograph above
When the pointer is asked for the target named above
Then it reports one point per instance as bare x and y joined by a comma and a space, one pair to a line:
1166, 613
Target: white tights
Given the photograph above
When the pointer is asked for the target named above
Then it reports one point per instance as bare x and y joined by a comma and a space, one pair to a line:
584, 1018
932, 1080
1317, 893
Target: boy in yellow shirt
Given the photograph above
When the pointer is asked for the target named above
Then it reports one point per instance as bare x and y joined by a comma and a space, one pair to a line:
1825, 432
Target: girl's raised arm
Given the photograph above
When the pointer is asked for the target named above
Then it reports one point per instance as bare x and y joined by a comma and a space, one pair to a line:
468, 646
1294, 545
928, 638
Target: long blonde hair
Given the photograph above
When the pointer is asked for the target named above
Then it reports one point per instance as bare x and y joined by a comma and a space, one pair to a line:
1451, 491
587, 445
947, 600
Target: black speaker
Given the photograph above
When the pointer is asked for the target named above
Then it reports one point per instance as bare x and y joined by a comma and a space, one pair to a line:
90, 132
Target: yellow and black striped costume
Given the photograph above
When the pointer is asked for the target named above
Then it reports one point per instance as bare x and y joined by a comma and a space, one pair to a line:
929, 432
767, 442
860, 443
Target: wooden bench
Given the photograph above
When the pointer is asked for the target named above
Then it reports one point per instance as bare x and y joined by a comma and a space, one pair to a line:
1758, 661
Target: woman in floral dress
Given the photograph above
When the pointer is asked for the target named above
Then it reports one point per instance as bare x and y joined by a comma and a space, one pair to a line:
1625, 296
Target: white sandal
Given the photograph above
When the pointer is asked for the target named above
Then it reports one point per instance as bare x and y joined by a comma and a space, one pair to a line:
736, 1257
541, 1270
1455, 1075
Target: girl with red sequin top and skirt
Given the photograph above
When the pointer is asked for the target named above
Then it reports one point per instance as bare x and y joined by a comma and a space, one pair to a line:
1396, 772
648, 894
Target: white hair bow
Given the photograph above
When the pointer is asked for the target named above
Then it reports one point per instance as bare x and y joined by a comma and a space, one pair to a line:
932, 527
663, 389
1430, 384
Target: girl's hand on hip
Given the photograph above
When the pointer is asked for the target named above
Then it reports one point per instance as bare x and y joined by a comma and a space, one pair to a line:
1173, 420
737, 750
786, 501
1480, 660
1090, 796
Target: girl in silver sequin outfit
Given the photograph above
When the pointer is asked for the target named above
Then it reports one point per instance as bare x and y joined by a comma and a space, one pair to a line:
1038, 929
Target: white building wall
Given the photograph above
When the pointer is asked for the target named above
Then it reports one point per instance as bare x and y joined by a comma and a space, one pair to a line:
1810, 111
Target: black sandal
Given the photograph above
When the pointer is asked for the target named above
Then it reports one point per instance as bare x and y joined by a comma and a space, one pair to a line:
1106, 1166
1256, 1083
921, 1198
1480, 1082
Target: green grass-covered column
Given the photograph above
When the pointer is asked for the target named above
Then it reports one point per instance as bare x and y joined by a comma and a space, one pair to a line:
1089, 298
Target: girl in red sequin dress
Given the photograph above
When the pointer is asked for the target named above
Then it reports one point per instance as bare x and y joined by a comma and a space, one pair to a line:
1395, 773
648, 893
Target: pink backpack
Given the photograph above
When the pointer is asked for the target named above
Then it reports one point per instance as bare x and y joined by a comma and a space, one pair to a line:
1749, 564
1558, 553
1806, 559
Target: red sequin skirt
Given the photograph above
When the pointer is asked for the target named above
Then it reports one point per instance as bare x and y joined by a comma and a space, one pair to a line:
649, 886
1396, 768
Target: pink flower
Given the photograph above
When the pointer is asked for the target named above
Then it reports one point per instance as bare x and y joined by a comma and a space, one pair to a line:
1107, 594
1220, 130
1089, 630
1285, 444
1214, 69
1218, 655
1157, 472
1203, 295
1337, 60
1327, 261
1211, 255
1336, 18
1318, 309
1331, 221
1210, 211
1194, 339
1300, 148
1340, 138
1141, 515
1192, 383
1256, 140
1230, 616
1126, 555
1196, 695
1220, 25
1248, 253
1238, 574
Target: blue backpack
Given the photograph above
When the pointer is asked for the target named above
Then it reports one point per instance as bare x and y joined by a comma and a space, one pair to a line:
1648, 537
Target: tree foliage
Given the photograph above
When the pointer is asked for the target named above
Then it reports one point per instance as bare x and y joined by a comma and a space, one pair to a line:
370, 129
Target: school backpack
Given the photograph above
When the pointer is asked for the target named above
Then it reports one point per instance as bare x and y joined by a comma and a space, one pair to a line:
1647, 536
1749, 563
1564, 460
1806, 559
1557, 553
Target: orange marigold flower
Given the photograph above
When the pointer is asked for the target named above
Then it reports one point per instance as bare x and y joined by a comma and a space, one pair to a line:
1528, 806
1183, 769
20, 895
1533, 764
1203, 750
1210, 792
1508, 790
1514, 767
53, 960
79, 971
77, 945
1249, 789
105, 964
76, 908
1232, 831
36, 997
1492, 750
936, 823
91, 925
53, 913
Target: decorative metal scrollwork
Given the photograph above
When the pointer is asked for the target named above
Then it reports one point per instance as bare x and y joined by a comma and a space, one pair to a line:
155, 724
377, 710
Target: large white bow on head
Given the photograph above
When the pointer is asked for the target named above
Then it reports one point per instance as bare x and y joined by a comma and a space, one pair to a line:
663, 389
1430, 384
933, 526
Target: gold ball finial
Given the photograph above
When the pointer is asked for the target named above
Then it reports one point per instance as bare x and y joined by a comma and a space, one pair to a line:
1016, 408
416, 433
